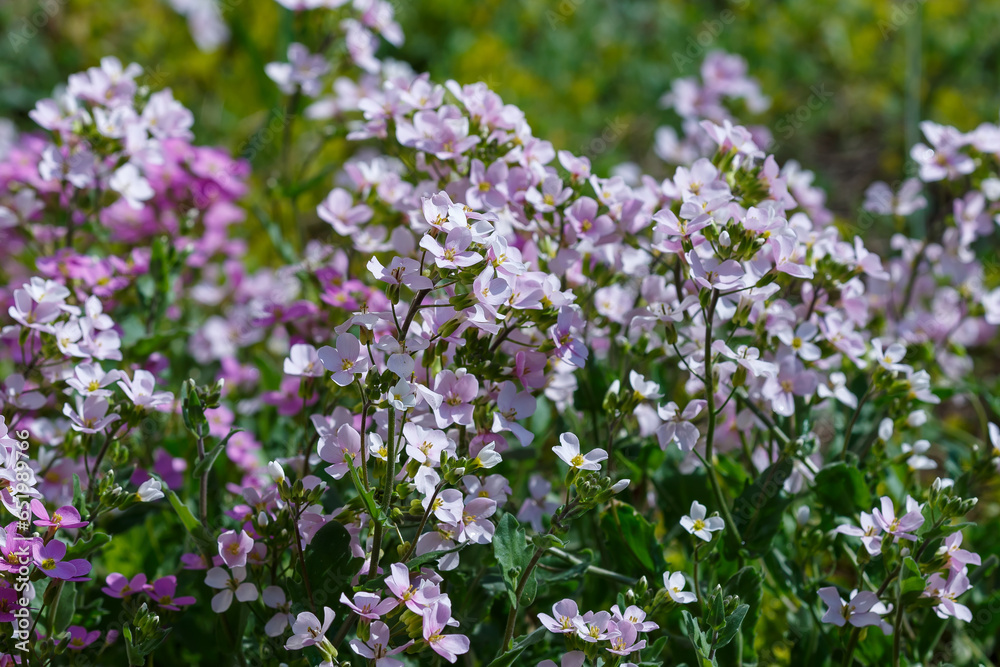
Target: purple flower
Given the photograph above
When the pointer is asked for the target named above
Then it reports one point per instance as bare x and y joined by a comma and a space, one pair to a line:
80, 639
677, 425
864, 609
49, 559
91, 414
901, 527
563, 619
163, 590
119, 586
344, 361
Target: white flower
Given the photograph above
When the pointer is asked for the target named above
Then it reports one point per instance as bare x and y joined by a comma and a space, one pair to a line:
674, 582
130, 184
150, 490
697, 524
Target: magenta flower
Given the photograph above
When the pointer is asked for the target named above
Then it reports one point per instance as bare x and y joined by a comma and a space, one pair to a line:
163, 590
80, 639
8, 604
436, 619
65, 517
569, 451
49, 559
119, 586
369, 605
234, 547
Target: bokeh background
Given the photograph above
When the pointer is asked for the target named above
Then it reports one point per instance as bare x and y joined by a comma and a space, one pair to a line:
581, 69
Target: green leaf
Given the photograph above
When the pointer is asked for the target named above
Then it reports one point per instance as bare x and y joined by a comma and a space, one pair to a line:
757, 511
632, 539
842, 487
509, 658
692, 631
747, 584
510, 547
716, 616
733, 623
206, 463
206, 543
367, 497
330, 563
65, 610
83, 548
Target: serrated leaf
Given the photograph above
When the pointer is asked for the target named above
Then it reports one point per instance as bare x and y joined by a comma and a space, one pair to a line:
510, 547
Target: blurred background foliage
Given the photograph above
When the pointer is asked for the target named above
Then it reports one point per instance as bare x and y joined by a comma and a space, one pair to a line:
581, 69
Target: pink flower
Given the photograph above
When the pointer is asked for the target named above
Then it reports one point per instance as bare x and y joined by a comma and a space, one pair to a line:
303, 360
449, 647
959, 558
91, 414
338, 210
344, 361
229, 585
377, 646
234, 547
902, 527
569, 451
368, 605
274, 597
946, 593
511, 406
308, 631
864, 609
341, 451
677, 425
563, 619
65, 517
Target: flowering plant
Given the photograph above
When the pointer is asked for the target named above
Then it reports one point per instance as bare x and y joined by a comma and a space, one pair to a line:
480, 384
